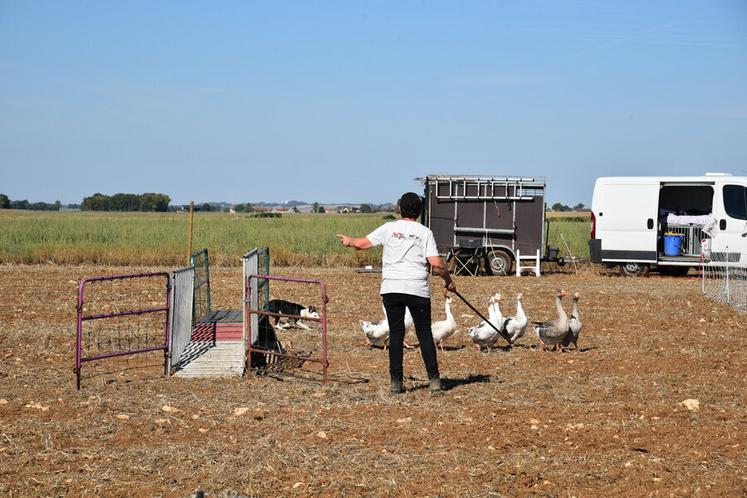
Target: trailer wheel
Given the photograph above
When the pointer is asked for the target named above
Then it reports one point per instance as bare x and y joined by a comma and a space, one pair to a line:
634, 269
499, 262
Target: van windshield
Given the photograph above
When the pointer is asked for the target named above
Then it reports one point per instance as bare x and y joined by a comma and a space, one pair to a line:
735, 201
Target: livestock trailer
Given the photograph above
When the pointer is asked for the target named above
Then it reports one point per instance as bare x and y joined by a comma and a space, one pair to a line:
668, 222
483, 225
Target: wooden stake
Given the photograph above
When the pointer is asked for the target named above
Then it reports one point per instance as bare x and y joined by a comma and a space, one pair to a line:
571, 254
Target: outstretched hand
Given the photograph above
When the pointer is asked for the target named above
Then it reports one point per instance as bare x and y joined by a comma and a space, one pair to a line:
344, 239
358, 243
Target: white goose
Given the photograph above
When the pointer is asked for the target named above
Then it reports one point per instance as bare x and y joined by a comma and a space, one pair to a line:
494, 310
484, 335
377, 333
443, 329
499, 318
515, 326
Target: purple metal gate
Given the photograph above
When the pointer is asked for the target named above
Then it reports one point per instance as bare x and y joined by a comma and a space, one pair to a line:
119, 350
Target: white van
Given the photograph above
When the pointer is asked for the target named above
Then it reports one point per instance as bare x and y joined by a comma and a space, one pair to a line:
668, 222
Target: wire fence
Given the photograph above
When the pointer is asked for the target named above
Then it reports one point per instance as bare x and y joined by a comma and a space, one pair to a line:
724, 279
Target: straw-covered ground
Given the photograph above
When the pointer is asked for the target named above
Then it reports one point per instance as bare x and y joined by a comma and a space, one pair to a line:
606, 420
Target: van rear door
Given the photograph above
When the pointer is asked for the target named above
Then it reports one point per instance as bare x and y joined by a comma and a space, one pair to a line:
626, 218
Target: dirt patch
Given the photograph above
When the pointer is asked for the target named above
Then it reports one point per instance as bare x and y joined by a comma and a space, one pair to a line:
608, 419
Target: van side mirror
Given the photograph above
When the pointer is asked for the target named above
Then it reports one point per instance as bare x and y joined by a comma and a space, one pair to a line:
722, 224
650, 223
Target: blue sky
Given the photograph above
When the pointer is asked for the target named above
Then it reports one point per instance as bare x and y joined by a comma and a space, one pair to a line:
350, 101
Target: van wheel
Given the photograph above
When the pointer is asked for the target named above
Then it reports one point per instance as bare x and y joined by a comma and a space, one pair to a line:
634, 269
499, 262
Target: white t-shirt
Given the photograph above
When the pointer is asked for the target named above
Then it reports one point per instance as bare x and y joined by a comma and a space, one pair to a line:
407, 244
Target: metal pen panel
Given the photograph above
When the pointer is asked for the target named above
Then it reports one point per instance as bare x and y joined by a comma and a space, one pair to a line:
182, 302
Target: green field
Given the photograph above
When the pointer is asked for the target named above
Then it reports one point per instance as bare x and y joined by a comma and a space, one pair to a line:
162, 238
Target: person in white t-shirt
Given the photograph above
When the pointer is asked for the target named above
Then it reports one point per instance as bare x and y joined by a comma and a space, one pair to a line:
408, 248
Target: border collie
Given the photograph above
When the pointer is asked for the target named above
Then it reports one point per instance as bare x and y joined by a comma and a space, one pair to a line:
289, 308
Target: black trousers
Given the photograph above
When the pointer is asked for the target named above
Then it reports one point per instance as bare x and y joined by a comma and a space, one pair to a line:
420, 308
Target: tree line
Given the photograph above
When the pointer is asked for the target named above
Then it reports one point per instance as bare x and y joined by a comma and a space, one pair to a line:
148, 201
562, 207
7, 203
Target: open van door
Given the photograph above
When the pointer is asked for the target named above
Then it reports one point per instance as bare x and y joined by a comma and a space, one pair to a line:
625, 212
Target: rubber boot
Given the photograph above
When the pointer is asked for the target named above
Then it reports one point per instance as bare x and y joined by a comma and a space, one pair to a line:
435, 385
397, 386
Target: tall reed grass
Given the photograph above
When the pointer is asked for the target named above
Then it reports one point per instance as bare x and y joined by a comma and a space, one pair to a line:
576, 234
150, 239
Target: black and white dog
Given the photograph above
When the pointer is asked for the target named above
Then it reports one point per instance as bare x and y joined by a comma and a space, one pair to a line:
289, 308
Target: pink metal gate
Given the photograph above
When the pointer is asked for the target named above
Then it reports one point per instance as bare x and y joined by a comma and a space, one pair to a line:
255, 305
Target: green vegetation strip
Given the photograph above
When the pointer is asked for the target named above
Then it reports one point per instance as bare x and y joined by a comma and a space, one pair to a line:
162, 238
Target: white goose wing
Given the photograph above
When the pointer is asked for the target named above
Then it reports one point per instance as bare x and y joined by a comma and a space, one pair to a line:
483, 334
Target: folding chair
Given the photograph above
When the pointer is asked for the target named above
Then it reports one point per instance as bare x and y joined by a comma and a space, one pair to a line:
468, 257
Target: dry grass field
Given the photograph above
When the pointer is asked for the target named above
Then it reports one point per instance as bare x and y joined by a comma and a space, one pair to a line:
605, 420
148, 239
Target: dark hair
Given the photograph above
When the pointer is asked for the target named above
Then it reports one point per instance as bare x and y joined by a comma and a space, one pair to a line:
410, 205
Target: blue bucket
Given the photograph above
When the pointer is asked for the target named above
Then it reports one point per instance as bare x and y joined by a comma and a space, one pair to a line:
673, 245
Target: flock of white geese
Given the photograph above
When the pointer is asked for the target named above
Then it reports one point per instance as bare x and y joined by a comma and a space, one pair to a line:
558, 333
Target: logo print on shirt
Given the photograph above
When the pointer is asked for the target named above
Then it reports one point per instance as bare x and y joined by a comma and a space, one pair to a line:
398, 235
